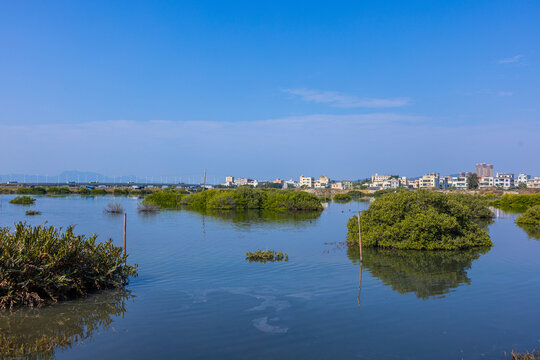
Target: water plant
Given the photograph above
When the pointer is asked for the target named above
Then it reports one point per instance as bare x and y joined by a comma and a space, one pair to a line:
147, 207
34, 190
342, 197
355, 194
33, 212
422, 220
517, 202
41, 265
114, 208
266, 255
61, 190
514, 355
23, 200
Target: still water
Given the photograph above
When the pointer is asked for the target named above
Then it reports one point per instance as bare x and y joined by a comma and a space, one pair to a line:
196, 296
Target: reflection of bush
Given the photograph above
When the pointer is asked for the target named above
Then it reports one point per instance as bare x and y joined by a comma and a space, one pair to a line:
532, 231
424, 273
263, 216
37, 334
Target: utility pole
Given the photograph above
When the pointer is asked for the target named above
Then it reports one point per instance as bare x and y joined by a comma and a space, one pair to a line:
204, 183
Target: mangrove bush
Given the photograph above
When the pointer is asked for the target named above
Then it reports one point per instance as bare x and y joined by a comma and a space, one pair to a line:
422, 220
23, 200
40, 265
266, 255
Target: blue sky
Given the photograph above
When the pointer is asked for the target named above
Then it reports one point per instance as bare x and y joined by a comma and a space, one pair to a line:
266, 89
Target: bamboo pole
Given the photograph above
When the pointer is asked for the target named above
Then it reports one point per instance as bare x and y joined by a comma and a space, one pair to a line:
125, 227
359, 236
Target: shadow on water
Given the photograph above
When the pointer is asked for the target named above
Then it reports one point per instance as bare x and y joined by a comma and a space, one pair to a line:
424, 273
39, 333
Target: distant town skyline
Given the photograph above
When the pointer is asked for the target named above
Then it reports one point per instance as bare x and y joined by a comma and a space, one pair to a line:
269, 89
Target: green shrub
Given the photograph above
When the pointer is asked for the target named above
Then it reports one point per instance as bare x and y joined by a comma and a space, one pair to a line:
342, 197
58, 190
32, 212
40, 265
97, 192
422, 220
517, 202
530, 217
266, 255
120, 192
84, 191
37, 190
355, 194
164, 199
23, 200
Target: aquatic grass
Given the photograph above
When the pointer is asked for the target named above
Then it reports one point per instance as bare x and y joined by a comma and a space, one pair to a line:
147, 207
114, 208
535, 355
34, 190
422, 220
42, 265
33, 212
266, 255
23, 200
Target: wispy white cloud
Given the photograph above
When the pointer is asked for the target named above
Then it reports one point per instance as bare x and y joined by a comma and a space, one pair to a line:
510, 60
336, 99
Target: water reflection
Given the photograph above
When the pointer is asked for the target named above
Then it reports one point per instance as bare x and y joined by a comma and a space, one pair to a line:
256, 217
424, 273
39, 333
532, 231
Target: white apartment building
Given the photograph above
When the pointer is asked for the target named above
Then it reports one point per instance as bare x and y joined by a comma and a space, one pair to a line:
486, 182
523, 179
505, 181
307, 181
534, 183
458, 182
432, 180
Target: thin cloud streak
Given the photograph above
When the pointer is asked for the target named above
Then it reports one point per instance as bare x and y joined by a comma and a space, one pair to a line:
339, 100
511, 60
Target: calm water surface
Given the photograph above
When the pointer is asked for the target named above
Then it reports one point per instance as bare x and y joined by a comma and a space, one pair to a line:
197, 298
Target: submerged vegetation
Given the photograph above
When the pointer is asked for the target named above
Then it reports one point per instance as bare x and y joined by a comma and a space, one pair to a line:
266, 255
355, 194
23, 200
422, 220
41, 265
33, 212
242, 198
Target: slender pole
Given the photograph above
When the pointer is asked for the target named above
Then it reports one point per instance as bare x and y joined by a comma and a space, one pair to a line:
125, 226
359, 236
204, 185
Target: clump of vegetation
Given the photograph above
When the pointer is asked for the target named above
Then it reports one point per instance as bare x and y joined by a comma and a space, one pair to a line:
422, 220
147, 208
84, 191
266, 255
23, 200
114, 208
342, 197
62, 190
37, 190
325, 199
41, 265
242, 198
517, 202
97, 192
32, 212
120, 192
535, 355
530, 217
355, 194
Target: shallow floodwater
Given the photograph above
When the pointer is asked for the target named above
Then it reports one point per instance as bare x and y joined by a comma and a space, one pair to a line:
196, 296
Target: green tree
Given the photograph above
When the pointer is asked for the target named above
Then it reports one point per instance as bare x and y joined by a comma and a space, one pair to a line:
472, 181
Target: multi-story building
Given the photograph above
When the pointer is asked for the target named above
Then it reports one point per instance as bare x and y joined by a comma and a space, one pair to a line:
377, 181
505, 181
534, 183
291, 183
229, 181
347, 184
458, 182
278, 181
432, 180
465, 174
486, 182
523, 179
307, 181
338, 186
484, 169
324, 181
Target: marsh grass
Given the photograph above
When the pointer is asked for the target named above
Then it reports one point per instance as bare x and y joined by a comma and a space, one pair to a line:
535, 355
42, 265
343, 198
266, 255
33, 212
147, 208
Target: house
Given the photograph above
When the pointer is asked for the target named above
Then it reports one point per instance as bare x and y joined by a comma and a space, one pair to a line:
307, 181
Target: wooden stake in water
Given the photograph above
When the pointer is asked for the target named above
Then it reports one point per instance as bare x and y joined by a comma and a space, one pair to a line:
359, 237
125, 226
